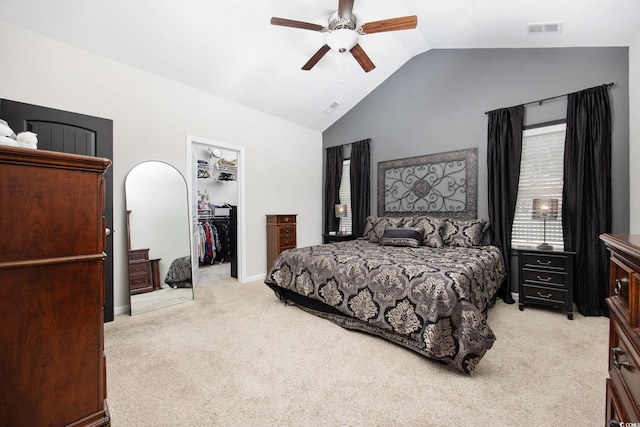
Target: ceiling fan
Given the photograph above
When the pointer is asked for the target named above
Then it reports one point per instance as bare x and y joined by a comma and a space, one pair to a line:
343, 33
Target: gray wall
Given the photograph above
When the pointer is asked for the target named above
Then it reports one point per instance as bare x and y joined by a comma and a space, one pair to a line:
436, 102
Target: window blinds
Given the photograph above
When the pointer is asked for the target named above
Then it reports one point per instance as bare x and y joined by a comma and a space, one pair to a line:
345, 195
541, 168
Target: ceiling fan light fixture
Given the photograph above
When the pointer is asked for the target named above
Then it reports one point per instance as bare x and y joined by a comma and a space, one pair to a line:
342, 40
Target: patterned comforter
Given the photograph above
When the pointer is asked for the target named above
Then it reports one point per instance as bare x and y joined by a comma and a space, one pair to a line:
430, 300
179, 273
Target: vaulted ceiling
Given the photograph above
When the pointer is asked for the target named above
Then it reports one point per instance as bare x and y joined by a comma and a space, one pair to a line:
230, 49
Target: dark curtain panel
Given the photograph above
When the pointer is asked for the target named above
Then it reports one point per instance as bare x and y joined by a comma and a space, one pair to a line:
333, 174
504, 149
586, 196
360, 185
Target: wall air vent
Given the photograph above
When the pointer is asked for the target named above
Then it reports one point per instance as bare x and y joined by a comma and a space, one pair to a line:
544, 28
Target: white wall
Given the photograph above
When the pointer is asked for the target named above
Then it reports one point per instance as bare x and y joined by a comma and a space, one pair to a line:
219, 192
634, 135
152, 118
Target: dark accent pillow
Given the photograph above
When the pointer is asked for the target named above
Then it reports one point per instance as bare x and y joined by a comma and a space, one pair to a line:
432, 228
464, 233
402, 236
375, 226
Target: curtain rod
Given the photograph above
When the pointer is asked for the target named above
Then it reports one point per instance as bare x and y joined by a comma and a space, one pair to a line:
540, 101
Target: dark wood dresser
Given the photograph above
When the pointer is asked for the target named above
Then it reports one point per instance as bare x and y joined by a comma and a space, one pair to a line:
623, 384
140, 277
546, 278
281, 235
52, 363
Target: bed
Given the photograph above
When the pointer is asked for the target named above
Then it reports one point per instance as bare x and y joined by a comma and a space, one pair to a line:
179, 273
422, 282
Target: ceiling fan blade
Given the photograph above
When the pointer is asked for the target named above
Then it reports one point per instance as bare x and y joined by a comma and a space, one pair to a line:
345, 8
362, 58
315, 58
393, 24
296, 24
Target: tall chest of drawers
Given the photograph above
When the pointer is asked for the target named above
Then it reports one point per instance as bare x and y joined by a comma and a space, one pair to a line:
53, 235
546, 278
281, 235
623, 384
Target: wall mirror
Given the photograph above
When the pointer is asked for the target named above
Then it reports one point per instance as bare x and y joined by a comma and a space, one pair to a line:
158, 237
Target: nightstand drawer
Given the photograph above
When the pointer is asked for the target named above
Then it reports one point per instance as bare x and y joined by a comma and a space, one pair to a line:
545, 278
555, 262
544, 295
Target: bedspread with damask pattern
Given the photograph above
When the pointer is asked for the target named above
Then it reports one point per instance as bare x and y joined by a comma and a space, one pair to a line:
430, 300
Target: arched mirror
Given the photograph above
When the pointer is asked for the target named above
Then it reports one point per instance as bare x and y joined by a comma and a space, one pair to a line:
158, 237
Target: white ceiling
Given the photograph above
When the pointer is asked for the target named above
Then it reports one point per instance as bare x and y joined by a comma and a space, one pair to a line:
229, 48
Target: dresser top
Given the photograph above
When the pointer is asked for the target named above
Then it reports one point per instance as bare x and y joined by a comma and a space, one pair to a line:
629, 243
32, 157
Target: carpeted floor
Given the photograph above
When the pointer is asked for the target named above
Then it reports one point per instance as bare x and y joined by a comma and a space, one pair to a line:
236, 356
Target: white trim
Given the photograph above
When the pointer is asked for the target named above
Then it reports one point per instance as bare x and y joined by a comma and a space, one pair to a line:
122, 309
242, 262
257, 277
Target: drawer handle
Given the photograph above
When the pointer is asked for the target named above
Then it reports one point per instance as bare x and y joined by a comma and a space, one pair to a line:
543, 263
543, 279
617, 351
544, 296
620, 282
286, 219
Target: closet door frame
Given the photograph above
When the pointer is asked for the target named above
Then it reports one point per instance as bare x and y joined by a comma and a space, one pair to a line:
193, 212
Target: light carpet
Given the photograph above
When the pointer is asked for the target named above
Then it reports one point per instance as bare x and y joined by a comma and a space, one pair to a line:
237, 356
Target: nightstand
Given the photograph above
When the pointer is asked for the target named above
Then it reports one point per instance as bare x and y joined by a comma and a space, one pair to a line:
330, 238
545, 277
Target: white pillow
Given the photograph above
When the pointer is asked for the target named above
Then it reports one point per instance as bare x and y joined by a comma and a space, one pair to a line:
5, 140
5, 130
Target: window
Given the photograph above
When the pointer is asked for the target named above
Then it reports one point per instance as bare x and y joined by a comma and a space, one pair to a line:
541, 168
345, 195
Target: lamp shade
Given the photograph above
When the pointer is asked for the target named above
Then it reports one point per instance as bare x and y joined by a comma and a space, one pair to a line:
545, 209
341, 211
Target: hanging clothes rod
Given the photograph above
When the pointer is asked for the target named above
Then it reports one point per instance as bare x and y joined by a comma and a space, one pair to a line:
540, 101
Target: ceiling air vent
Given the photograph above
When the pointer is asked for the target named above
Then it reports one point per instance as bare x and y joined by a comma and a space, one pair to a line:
331, 107
544, 28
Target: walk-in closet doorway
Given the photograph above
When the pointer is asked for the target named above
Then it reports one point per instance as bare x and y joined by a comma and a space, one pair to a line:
216, 193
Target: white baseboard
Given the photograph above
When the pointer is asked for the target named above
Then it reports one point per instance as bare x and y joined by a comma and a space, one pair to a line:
123, 309
255, 278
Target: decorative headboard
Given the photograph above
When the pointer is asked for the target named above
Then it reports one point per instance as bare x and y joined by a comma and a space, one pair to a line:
439, 185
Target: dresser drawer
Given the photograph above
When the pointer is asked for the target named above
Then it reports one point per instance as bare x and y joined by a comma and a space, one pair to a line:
545, 261
624, 359
543, 277
544, 295
138, 268
139, 283
282, 219
624, 286
614, 411
139, 255
287, 236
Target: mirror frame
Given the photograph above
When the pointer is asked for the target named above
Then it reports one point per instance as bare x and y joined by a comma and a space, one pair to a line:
154, 231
